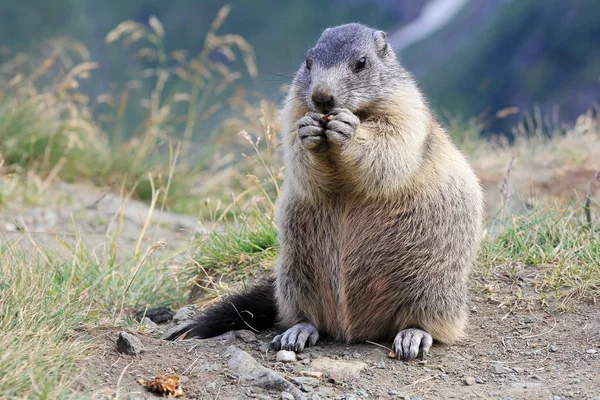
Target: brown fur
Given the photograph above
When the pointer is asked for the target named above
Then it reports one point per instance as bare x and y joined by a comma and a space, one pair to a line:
380, 235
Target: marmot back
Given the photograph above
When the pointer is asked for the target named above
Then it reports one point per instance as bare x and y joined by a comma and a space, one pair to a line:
380, 215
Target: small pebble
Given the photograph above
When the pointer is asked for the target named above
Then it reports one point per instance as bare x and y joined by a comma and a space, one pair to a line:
479, 380
591, 351
286, 356
362, 393
552, 349
469, 381
380, 364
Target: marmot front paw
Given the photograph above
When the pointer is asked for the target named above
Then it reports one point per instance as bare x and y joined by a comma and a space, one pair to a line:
311, 131
341, 127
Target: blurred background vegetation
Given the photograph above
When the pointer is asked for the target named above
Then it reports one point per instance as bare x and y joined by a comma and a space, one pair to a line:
491, 55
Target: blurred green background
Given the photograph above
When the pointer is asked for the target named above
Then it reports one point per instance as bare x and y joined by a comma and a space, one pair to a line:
481, 57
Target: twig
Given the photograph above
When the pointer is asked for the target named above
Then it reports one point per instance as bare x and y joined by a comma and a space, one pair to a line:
121, 377
379, 345
540, 334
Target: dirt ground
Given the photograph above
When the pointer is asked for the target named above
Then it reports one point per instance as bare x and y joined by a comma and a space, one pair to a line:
530, 353
514, 350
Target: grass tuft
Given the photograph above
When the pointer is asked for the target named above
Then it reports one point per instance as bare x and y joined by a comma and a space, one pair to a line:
556, 247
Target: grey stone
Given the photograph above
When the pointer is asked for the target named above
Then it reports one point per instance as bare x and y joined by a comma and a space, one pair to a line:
149, 323
286, 396
338, 369
129, 344
591, 351
362, 393
469, 381
479, 380
552, 349
184, 314
246, 336
499, 369
251, 372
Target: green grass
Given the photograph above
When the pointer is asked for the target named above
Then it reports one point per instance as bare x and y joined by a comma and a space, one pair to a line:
556, 246
45, 298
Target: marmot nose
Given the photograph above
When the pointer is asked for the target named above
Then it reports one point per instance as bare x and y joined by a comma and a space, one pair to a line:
323, 102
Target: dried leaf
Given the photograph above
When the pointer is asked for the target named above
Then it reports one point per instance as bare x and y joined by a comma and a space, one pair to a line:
165, 385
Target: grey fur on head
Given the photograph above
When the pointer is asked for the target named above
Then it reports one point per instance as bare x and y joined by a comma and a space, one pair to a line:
346, 62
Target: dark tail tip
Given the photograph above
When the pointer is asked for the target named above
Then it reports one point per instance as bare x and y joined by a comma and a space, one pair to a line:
254, 309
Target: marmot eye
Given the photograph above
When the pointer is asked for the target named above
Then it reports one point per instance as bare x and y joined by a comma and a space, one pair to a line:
361, 63
308, 64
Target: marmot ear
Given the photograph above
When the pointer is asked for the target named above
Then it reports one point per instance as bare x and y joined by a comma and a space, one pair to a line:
381, 42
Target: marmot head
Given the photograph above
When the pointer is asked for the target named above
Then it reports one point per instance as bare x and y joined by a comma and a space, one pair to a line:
351, 66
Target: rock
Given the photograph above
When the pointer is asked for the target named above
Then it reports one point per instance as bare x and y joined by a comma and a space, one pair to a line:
251, 372
263, 397
362, 393
286, 356
591, 351
469, 381
303, 356
184, 314
158, 315
315, 397
479, 380
312, 374
499, 369
286, 396
129, 344
149, 323
246, 336
311, 382
552, 349
380, 364
173, 329
337, 369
